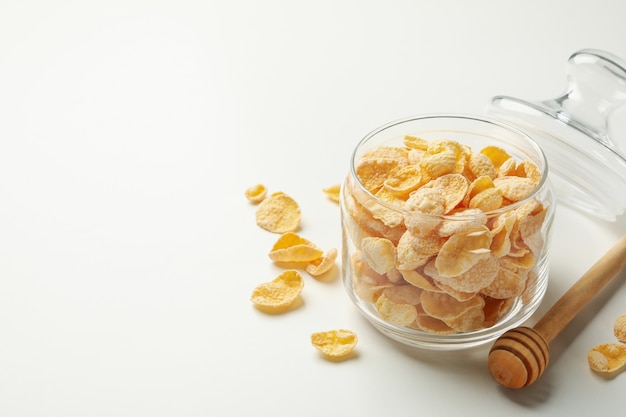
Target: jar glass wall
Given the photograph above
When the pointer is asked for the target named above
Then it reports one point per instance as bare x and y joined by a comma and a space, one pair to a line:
446, 229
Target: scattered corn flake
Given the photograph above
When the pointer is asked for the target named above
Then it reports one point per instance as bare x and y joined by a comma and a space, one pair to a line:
290, 247
323, 264
379, 253
332, 192
280, 293
335, 343
256, 193
619, 328
278, 213
607, 359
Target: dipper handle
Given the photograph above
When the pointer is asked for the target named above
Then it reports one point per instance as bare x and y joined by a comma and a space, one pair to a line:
519, 357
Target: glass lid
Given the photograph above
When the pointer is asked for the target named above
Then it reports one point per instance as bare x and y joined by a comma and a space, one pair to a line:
587, 164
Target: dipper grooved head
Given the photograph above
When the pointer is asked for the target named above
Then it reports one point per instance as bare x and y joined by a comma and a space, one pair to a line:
518, 357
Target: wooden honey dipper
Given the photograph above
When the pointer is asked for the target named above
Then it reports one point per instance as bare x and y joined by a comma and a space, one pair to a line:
519, 357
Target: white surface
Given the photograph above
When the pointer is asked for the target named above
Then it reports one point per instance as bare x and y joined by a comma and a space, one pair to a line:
128, 133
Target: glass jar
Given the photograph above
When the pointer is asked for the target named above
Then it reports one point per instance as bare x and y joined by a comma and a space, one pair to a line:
446, 219
446, 229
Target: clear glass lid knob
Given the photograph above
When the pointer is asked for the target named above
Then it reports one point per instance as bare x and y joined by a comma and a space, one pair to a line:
587, 164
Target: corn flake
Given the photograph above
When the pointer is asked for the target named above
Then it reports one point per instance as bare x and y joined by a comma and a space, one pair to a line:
508, 168
481, 166
497, 155
280, 293
495, 309
462, 221
403, 294
422, 210
290, 247
528, 169
487, 200
322, 265
507, 284
607, 359
379, 253
462, 316
413, 142
619, 328
335, 343
407, 256
391, 218
395, 153
278, 213
514, 188
404, 181
395, 313
430, 324
372, 172
452, 188
332, 192
424, 246
256, 193
420, 281
462, 251
480, 275
501, 231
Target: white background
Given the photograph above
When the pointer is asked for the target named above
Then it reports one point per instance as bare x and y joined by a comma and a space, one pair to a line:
129, 131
